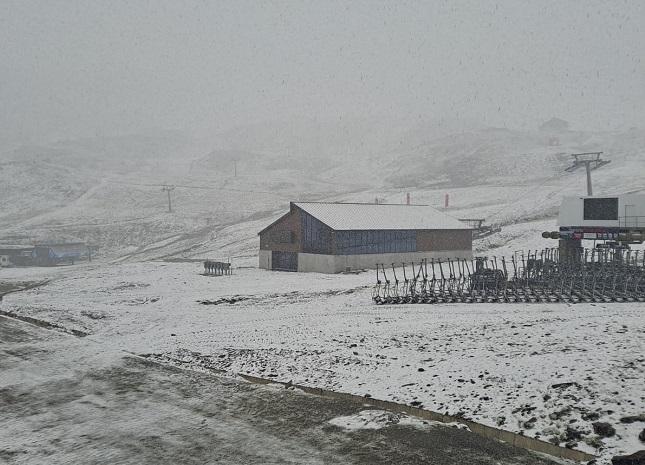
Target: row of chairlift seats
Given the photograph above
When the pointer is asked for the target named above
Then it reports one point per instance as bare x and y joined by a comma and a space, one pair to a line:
536, 280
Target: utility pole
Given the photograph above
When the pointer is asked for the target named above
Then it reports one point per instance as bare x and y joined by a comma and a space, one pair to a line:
235, 168
587, 159
168, 190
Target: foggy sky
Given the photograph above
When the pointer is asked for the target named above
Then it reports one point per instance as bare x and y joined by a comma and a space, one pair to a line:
81, 68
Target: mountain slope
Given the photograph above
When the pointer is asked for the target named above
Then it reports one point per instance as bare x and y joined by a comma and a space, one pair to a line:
109, 192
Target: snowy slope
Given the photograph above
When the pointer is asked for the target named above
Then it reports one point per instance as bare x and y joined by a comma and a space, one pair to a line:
323, 330
108, 191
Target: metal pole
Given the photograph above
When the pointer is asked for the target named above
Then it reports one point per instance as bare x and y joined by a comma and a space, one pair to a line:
168, 190
588, 167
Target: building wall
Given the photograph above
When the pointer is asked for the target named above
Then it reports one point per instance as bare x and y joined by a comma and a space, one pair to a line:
265, 259
439, 240
316, 236
630, 205
288, 227
320, 263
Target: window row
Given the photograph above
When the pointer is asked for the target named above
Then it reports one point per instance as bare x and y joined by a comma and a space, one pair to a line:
367, 242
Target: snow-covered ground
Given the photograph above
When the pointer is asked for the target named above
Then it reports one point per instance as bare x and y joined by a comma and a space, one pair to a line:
548, 370
69, 400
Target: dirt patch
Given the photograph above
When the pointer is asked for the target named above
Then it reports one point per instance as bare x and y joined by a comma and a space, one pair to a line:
9, 287
43, 323
285, 297
225, 300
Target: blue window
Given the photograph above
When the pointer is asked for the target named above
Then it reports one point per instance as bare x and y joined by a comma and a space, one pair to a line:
368, 242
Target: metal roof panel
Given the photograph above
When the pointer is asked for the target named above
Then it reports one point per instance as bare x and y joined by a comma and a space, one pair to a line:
369, 216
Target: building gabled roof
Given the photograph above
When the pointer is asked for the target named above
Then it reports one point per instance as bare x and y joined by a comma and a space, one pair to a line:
369, 216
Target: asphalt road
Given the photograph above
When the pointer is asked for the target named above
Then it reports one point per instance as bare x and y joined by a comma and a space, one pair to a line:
69, 400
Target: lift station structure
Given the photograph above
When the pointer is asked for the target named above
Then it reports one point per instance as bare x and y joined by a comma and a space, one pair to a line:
615, 221
610, 221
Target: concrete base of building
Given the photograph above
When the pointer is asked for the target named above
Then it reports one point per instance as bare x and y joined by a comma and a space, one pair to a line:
320, 263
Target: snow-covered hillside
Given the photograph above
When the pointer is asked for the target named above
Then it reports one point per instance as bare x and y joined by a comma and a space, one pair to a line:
287, 326
107, 191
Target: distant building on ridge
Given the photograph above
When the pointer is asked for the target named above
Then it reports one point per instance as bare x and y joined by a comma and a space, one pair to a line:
554, 125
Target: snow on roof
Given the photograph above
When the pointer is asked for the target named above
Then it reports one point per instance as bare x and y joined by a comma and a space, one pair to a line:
369, 216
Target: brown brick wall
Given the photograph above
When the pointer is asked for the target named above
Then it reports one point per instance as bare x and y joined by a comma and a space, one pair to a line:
457, 239
270, 239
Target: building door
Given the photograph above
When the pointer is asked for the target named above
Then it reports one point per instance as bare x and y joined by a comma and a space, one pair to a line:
284, 261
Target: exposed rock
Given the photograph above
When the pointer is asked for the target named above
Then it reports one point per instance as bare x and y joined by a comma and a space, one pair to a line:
573, 434
595, 442
565, 385
524, 409
530, 423
555, 440
603, 429
560, 413
633, 418
642, 435
590, 416
637, 458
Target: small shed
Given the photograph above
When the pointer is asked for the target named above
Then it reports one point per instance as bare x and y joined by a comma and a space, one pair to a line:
16, 255
59, 253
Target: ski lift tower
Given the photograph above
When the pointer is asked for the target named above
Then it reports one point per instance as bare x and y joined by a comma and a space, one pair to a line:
168, 189
591, 161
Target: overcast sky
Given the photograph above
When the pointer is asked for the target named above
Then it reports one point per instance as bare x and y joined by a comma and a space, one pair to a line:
79, 68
